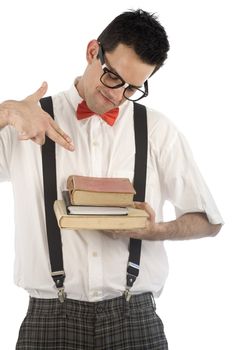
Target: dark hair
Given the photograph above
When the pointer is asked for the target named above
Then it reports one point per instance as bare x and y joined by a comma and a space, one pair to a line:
141, 31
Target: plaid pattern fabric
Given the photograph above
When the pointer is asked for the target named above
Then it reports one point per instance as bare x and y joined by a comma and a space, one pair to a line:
113, 324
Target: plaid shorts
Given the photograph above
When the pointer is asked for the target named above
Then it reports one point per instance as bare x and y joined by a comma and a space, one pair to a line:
113, 324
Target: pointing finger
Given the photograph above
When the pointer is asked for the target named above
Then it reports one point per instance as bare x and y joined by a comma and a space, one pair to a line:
60, 131
59, 136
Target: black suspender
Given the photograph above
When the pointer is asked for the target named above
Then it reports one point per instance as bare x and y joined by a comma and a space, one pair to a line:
140, 166
141, 141
50, 195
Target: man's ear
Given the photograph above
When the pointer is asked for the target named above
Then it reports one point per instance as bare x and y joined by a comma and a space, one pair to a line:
92, 50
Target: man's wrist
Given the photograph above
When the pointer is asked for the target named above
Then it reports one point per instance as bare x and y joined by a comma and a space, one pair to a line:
4, 115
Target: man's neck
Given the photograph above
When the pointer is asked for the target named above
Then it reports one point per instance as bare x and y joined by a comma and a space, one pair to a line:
79, 87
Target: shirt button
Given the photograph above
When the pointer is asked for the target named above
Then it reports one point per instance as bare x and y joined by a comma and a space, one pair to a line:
95, 143
94, 254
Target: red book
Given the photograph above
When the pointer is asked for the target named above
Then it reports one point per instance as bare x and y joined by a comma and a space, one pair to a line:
99, 191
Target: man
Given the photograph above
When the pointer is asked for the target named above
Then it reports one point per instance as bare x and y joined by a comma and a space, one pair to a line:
99, 310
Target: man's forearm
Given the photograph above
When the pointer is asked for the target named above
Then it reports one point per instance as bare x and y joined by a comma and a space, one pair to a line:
188, 226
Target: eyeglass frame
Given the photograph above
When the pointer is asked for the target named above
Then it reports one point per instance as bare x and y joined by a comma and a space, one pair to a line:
123, 84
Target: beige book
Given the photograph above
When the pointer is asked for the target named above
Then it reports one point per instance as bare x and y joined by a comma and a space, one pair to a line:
136, 218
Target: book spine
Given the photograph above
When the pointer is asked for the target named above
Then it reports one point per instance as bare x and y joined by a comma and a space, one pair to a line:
70, 182
59, 209
66, 198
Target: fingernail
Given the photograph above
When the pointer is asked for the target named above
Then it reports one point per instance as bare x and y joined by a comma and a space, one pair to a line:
71, 147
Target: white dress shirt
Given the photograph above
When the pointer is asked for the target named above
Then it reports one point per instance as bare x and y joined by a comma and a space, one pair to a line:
95, 263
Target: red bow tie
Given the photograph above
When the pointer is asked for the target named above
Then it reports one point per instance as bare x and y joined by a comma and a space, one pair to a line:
84, 112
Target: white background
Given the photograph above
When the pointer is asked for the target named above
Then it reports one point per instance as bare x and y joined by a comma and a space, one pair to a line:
46, 40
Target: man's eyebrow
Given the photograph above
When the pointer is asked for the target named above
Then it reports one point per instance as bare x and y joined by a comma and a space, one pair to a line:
114, 71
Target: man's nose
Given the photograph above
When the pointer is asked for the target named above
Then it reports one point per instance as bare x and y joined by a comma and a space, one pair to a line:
116, 94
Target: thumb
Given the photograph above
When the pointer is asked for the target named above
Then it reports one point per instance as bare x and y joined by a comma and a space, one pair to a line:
38, 94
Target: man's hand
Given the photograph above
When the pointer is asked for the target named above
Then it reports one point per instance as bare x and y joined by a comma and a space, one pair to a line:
32, 122
147, 233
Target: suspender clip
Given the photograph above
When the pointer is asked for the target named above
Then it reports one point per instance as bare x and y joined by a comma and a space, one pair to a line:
61, 295
127, 294
130, 279
58, 277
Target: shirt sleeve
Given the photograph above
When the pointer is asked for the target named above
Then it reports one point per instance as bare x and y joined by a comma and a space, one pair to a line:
5, 153
184, 185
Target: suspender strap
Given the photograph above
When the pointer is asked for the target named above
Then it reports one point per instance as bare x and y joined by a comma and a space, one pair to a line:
141, 145
50, 195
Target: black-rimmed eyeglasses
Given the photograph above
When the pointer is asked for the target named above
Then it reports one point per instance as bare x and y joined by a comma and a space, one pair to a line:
114, 81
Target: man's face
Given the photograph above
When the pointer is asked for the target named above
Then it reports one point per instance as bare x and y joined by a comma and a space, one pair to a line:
124, 62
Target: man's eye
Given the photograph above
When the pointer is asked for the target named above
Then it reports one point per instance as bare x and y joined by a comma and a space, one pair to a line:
131, 89
113, 76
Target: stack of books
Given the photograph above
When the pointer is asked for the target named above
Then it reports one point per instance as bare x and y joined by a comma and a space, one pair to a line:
98, 203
